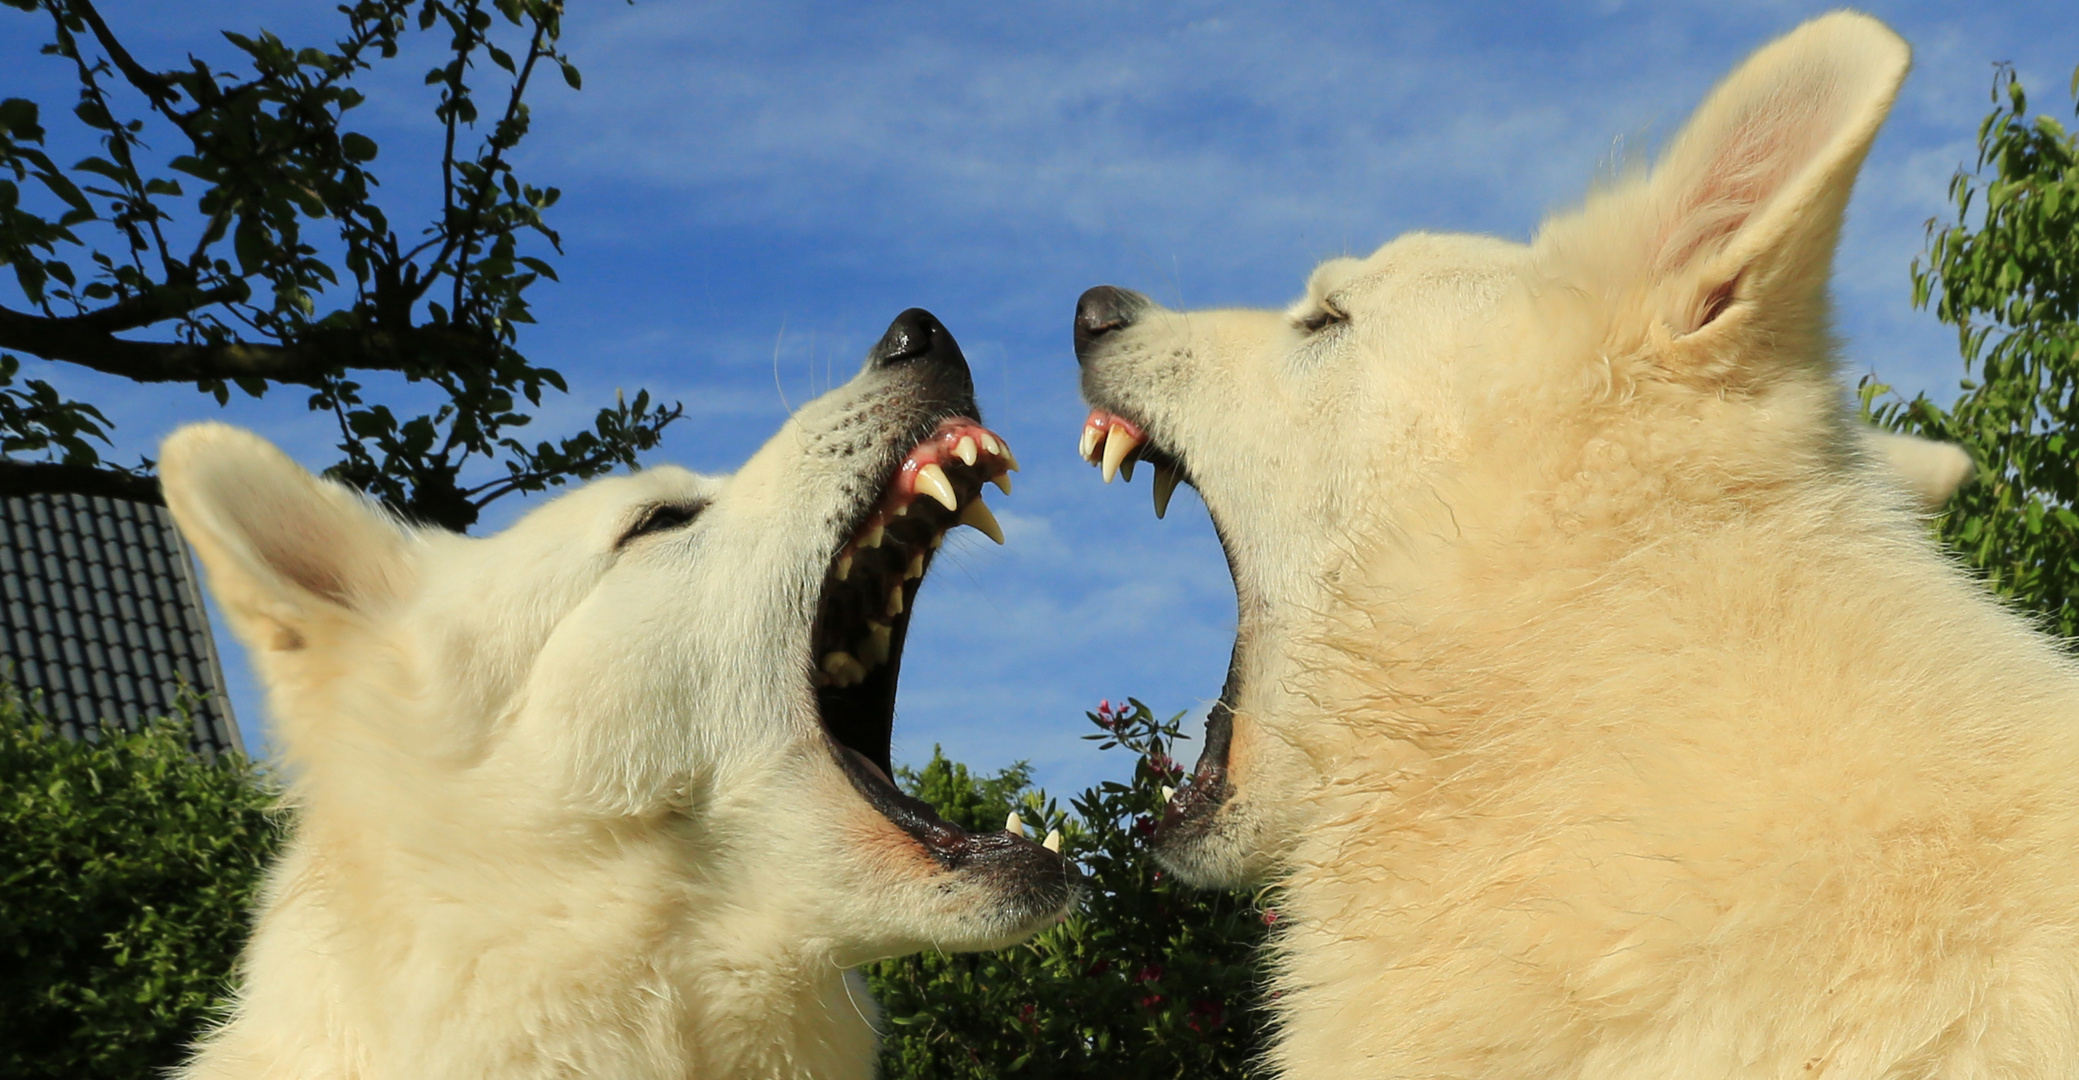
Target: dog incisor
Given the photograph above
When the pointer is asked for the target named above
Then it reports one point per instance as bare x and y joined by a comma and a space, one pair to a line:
1601, 706
606, 794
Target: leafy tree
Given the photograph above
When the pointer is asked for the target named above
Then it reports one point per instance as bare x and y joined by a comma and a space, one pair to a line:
127, 868
254, 254
2005, 273
1146, 979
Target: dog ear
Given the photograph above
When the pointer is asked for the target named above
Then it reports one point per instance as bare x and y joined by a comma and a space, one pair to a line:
1932, 470
286, 552
1723, 253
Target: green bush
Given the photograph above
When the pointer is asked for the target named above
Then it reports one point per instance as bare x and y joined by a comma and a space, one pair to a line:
127, 870
1145, 980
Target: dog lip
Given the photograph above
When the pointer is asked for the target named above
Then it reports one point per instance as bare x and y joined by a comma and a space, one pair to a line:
953, 847
1190, 812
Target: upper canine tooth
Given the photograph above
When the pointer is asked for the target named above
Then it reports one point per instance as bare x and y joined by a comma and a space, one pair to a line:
977, 514
872, 539
915, 569
931, 480
965, 450
1117, 445
1166, 479
895, 600
1053, 841
1002, 480
1003, 450
1014, 824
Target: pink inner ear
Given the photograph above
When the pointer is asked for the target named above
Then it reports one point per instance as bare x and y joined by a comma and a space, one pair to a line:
1773, 139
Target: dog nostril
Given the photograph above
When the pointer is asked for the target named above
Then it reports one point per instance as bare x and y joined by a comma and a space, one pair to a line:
911, 336
1104, 310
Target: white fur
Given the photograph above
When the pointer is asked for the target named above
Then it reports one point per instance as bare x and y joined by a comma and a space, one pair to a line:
1605, 709
563, 805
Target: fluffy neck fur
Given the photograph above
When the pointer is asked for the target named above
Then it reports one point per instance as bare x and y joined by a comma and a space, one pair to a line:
621, 958
1611, 780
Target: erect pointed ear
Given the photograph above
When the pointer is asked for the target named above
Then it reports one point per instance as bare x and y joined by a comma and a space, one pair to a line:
287, 554
1728, 244
1931, 470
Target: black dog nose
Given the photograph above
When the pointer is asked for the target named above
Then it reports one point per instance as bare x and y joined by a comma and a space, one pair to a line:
1103, 310
914, 335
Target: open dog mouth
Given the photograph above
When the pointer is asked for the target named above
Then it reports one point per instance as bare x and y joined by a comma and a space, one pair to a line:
864, 616
1114, 444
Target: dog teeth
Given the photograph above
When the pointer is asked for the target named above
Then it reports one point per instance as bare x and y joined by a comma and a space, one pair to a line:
1168, 793
873, 536
1010, 460
990, 444
1118, 443
844, 565
895, 600
1002, 480
1014, 824
843, 669
977, 514
931, 480
1166, 478
1087, 449
1053, 841
965, 450
915, 569
874, 650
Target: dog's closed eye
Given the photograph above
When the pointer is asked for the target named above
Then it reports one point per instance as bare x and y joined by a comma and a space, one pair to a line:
660, 517
1329, 315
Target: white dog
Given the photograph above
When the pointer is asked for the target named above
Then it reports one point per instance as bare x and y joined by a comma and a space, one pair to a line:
606, 795
1600, 702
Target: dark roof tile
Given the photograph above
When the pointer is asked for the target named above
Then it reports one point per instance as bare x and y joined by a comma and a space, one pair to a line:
103, 618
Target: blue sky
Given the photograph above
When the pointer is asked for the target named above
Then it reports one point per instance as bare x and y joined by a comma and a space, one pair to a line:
753, 189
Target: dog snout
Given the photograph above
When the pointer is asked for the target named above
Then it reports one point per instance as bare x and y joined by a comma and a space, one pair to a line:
915, 335
1104, 310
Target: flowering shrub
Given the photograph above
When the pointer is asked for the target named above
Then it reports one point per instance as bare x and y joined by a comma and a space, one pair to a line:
1146, 979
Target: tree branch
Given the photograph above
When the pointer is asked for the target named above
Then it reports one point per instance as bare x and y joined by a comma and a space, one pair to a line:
155, 87
305, 362
51, 478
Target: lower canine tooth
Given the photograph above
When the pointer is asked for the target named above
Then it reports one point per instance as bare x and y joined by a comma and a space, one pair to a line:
1053, 841
1002, 480
1117, 445
977, 514
1168, 793
1014, 824
965, 450
839, 666
1165, 485
931, 480
915, 569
